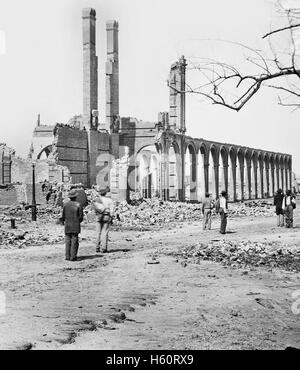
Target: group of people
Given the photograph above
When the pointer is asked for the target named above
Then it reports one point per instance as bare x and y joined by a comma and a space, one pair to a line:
284, 208
72, 216
221, 206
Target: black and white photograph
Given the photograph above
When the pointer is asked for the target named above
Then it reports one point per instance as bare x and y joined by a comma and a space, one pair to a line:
149, 177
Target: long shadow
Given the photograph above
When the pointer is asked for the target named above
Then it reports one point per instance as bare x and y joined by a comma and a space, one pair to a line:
118, 250
82, 258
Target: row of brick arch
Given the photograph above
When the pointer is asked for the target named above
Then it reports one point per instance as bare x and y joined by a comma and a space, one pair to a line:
196, 166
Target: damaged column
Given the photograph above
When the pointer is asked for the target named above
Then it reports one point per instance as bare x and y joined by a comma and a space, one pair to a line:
112, 77
177, 96
90, 69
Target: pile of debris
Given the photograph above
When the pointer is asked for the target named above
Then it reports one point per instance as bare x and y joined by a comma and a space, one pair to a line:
253, 208
16, 238
241, 254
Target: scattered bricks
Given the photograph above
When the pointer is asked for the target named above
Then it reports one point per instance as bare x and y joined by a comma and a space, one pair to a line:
240, 254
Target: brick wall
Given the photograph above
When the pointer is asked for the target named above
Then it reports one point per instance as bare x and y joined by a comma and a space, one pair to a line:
72, 150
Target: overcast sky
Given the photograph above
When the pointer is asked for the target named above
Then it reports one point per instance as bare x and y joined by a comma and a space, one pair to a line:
41, 66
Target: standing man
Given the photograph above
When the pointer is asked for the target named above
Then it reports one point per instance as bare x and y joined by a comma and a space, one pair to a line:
104, 209
72, 216
278, 200
207, 206
222, 207
289, 204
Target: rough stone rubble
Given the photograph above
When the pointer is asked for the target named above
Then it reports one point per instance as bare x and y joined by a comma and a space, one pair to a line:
242, 254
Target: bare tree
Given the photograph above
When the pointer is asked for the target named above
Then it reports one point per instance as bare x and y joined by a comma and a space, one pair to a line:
278, 68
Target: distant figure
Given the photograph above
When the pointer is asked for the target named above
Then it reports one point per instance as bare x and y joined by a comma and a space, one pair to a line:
44, 186
221, 208
104, 208
278, 198
49, 193
289, 204
81, 196
59, 198
207, 206
72, 216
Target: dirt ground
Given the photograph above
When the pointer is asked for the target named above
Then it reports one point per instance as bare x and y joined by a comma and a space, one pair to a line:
139, 296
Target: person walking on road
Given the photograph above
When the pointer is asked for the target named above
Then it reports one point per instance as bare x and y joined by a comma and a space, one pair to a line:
278, 199
289, 204
104, 208
207, 206
72, 216
221, 208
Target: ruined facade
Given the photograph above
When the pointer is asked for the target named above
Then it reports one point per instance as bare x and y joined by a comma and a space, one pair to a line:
156, 158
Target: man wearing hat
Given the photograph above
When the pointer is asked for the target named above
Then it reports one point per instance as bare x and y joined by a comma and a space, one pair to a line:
221, 208
72, 216
104, 208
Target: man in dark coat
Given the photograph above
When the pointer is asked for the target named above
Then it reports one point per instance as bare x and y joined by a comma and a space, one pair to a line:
278, 198
81, 196
72, 216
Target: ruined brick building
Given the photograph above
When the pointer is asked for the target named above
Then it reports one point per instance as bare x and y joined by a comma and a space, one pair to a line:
157, 158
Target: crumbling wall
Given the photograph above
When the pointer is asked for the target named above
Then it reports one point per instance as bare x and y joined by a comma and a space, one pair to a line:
100, 158
5, 163
21, 171
70, 149
119, 178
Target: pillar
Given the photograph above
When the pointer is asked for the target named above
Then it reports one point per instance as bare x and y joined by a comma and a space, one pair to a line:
90, 69
112, 77
177, 96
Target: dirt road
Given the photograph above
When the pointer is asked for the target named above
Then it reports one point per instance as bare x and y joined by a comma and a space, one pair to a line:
139, 296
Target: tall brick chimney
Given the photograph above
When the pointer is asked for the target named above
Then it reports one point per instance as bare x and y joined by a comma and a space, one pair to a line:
112, 77
177, 96
90, 69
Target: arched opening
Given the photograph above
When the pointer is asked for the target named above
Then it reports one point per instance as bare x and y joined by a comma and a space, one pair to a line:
253, 177
259, 176
173, 173
148, 171
44, 154
213, 172
247, 175
266, 177
277, 175
281, 174
271, 176
240, 176
231, 174
190, 178
154, 176
201, 173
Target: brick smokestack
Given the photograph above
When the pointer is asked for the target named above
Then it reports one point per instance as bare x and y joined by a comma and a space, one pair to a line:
112, 76
90, 68
177, 96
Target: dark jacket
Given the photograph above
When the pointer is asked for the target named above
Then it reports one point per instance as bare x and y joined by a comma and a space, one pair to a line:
82, 198
278, 198
72, 216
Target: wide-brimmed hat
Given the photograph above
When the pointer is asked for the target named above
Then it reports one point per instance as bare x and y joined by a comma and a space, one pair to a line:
72, 193
224, 192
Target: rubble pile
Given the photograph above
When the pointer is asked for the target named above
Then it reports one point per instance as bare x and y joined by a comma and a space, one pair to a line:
151, 212
252, 208
11, 238
241, 254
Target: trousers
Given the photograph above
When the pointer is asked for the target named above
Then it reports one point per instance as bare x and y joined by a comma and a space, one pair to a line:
280, 221
289, 213
223, 222
102, 229
72, 245
207, 219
